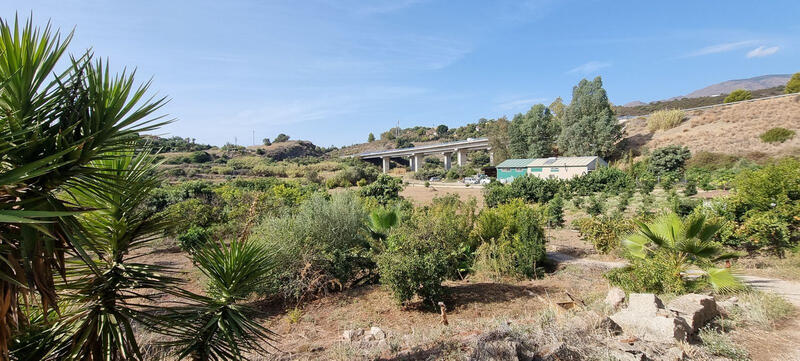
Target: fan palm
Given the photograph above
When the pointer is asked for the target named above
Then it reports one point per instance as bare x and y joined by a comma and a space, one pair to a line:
53, 125
218, 326
682, 244
381, 220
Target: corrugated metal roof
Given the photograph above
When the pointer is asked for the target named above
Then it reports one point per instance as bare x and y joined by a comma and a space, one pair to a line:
514, 163
549, 162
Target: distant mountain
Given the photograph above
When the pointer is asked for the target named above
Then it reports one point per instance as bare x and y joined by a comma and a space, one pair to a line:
634, 103
755, 83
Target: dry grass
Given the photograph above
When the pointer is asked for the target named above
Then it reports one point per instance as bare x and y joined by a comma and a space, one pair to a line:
665, 119
420, 195
733, 129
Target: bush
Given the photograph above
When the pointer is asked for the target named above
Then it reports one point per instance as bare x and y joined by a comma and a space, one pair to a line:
194, 238
555, 212
320, 248
793, 85
767, 231
690, 189
201, 157
665, 119
777, 135
603, 232
603, 179
738, 95
511, 239
176, 172
651, 276
385, 189
414, 266
190, 213
669, 159
595, 206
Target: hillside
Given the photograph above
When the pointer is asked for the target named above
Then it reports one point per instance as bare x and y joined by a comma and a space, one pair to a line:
732, 129
685, 103
754, 83
289, 149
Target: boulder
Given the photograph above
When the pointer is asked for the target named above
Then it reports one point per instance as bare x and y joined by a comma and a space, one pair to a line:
352, 335
377, 333
615, 297
696, 309
609, 325
644, 303
652, 327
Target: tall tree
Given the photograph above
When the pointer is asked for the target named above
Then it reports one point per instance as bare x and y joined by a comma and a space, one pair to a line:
589, 126
371, 138
558, 109
541, 131
517, 137
499, 139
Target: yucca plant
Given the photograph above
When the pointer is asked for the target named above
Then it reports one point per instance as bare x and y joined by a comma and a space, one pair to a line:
53, 125
220, 326
114, 289
683, 243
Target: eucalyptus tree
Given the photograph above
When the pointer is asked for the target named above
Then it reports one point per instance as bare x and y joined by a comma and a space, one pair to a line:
589, 126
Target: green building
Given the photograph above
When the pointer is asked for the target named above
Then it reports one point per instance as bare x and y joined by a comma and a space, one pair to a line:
554, 167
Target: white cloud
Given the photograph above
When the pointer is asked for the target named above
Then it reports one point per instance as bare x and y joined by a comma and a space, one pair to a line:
516, 104
589, 67
762, 51
720, 48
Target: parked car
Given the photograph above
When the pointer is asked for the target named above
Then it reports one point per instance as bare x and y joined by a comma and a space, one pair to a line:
435, 179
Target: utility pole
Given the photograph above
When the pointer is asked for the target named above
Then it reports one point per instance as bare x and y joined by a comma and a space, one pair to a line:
254, 137
235, 141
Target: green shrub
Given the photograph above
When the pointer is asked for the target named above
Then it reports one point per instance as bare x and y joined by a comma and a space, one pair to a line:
651, 276
669, 159
603, 179
176, 172
603, 232
665, 119
385, 189
511, 239
201, 157
414, 267
362, 182
320, 248
555, 211
766, 231
190, 213
777, 135
595, 206
194, 238
690, 189
738, 95
793, 85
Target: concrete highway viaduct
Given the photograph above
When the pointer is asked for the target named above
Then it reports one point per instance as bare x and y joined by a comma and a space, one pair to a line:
415, 155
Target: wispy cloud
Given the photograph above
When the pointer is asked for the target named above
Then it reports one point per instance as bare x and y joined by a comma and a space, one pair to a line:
516, 104
762, 51
720, 48
385, 7
589, 68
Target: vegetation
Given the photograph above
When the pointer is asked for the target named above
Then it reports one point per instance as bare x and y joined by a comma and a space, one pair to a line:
687, 103
603, 232
738, 95
589, 126
668, 160
777, 135
665, 119
793, 85
680, 243
533, 134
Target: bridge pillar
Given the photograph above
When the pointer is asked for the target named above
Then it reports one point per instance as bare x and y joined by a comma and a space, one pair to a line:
447, 160
462, 157
386, 165
417, 162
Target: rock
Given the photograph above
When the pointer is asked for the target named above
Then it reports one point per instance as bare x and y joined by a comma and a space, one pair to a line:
609, 325
644, 303
559, 351
615, 297
696, 309
652, 327
377, 333
352, 335
369, 338
674, 354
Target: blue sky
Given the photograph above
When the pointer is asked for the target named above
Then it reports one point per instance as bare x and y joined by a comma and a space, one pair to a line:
332, 71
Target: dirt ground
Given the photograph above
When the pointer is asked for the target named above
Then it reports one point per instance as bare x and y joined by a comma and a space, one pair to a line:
420, 195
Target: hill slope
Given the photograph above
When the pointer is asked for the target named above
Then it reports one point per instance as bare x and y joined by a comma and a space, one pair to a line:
754, 83
732, 129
